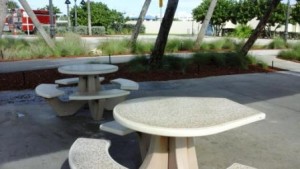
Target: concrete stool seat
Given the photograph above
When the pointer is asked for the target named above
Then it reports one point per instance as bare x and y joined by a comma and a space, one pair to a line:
98, 101
51, 94
48, 91
104, 94
86, 153
70, 81
126, 84
239, 166
115, 128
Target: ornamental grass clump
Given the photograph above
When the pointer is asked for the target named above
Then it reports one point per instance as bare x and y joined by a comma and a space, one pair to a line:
115, 47
292, 54
138, 64
173, 45
71, 45
174, 63
142, 47
277, 43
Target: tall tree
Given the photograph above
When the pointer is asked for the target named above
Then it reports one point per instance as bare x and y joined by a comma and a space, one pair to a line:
205, 23
101, 14
165, 26
277, 17
3, 13
220, 15
244, 11
56, 10
262, 23
12, 4
296, 12
139, 23
37, 24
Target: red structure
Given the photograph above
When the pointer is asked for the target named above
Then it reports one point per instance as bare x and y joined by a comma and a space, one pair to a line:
18, 19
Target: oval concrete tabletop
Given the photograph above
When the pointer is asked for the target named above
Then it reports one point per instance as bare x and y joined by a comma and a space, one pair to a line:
88, 69
184, 116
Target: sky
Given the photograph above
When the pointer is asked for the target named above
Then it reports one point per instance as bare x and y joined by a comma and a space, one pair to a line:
129, 7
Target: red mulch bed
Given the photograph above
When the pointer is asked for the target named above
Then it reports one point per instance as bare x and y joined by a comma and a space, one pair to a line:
30, 79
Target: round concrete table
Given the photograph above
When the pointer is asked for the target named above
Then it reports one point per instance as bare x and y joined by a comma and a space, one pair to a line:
172, 123
88, 74
89, 83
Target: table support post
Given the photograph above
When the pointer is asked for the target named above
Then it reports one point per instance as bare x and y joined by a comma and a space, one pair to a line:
96, 108
93, 84
157, 156
82, 86
185, 153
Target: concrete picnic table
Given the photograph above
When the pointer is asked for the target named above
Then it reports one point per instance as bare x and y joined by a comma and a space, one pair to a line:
172, 122
88, 74
89, 88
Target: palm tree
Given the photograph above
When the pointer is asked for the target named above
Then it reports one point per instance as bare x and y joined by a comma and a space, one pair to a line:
262, 23
165, 26
139, 23
3, 12
37, 24
205, 23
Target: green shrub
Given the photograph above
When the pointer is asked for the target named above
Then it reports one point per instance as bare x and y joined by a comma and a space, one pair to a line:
242, 31
81, 30
61, 30
98, 30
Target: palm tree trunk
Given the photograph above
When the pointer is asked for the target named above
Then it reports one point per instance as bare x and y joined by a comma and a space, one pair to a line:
205, 23
165, 26
139, 23
262, 23
37, 24
3, 13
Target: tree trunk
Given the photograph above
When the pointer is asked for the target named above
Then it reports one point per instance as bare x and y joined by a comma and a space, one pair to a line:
205, 23
37, 24
262, 23
165, 26
3, 12
139, 23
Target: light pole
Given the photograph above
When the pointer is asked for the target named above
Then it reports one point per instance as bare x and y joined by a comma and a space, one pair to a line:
52, 29
68, 14
89, 15
75, 13
286, 33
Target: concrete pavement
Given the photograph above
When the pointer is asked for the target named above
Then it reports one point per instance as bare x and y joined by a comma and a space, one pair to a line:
32, 137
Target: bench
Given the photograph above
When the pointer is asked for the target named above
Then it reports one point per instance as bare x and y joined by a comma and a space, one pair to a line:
48, 91
126, 84
239, 166
87, 153
51, 94
70, 81
98, 101
104, 94
115, 128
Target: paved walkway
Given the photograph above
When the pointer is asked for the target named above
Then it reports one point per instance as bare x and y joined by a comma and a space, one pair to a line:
33, 137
